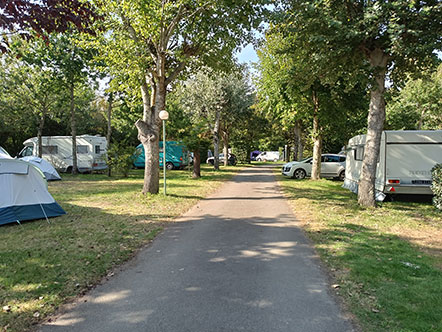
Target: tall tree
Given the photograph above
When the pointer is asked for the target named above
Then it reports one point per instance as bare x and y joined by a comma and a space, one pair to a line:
71, 63
159, 39
33, 89
379, 36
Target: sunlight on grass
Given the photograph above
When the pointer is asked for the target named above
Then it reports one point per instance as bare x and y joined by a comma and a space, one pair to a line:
108, 219
386, 261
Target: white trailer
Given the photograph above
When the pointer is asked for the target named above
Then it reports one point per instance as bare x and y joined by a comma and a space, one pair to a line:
91, 152
404, 165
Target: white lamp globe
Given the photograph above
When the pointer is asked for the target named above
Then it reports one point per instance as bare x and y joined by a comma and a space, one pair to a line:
164, 115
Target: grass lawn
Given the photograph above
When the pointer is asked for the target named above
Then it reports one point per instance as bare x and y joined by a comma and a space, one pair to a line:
386, 262
44, 265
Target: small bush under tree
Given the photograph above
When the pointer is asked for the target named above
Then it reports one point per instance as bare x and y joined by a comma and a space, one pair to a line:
121, 158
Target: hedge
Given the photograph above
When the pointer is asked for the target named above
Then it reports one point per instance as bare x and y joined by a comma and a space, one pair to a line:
436, 187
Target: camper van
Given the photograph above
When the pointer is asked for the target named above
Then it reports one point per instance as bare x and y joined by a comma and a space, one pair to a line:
177, 156
405, 162
91, 152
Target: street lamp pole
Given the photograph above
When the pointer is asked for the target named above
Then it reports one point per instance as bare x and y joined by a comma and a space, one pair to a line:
164, 115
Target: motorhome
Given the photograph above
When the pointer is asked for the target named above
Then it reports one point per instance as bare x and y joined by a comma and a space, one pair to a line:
91, 152
404, 165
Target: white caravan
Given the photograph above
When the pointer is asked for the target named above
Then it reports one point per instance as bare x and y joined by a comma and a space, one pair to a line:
405, 162
91, 152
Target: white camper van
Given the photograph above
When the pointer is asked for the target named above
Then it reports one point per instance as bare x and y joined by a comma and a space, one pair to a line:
91, 152
405, 161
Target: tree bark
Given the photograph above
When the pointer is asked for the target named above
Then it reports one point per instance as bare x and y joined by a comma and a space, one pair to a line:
421, 118
109, 130
297, 153
73, 130
376, 117
317, 140
148, 134
216, 141
196, 164
225, 137
40, 134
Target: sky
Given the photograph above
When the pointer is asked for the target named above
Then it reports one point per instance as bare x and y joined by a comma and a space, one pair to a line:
247, 55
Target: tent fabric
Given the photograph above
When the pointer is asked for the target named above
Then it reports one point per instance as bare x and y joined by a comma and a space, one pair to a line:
30, 212
48, 170
24, 195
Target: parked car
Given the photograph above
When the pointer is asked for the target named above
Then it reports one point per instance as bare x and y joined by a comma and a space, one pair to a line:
268, 156
254, 154
231, 161
332, 166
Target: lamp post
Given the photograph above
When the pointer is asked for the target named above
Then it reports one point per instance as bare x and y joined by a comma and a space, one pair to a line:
164, 115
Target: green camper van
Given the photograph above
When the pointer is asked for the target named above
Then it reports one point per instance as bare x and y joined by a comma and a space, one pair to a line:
176, 155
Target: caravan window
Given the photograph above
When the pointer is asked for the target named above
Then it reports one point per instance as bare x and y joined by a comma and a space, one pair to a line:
49, 149
359, 153
82, 149
97, 149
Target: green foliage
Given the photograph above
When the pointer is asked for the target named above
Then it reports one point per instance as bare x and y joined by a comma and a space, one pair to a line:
32, 90
121, 158
436, 186
418, 105
285, 85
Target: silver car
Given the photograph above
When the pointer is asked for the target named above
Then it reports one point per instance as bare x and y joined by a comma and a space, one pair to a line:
332, 166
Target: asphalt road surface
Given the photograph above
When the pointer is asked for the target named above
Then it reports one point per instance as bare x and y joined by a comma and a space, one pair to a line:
237, 261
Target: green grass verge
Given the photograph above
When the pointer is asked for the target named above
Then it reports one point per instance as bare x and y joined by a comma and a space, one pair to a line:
44, 265
386, 261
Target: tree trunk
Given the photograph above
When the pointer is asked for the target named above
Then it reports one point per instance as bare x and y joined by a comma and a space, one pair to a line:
317, 141
216, 141
109, 130
421, 118
300, 149
40, 134
73, 131
196, 164
298, 144
225, 137
148, 134
376, 117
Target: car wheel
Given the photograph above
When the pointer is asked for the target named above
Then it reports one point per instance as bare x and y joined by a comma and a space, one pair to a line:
275, 160
341, 176
169, 166
299, 174
212, 162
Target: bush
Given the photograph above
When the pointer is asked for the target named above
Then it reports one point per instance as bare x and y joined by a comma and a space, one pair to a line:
121, 158
436, 187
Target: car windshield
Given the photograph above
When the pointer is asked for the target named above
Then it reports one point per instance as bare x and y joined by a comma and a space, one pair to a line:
305, 160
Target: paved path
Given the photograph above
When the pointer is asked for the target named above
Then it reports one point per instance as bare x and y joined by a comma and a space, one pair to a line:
235, 262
